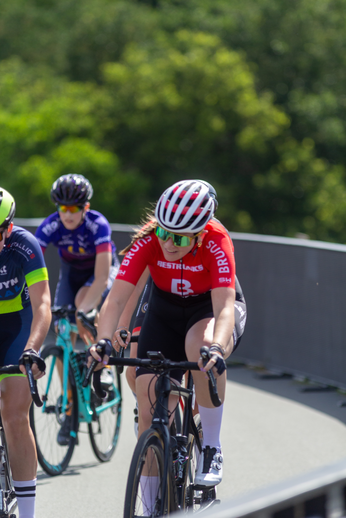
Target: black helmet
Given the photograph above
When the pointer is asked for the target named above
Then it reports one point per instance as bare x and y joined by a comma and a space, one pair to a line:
71, 189
7, 208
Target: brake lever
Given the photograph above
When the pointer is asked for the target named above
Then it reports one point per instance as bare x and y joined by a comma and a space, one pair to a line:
32, 382
120, 354
90, 370
214, 396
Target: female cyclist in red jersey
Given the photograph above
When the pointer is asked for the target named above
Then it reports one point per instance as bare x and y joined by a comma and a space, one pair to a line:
192, 303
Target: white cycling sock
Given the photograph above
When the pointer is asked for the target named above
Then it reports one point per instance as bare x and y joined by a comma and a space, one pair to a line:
149, 487
26, 497
211, 419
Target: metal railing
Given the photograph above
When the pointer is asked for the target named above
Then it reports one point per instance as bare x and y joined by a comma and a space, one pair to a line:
318, 494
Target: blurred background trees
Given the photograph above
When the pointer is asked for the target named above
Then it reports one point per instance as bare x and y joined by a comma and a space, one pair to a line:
248, 95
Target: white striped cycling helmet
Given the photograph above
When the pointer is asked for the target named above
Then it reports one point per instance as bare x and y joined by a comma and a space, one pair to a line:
186, 206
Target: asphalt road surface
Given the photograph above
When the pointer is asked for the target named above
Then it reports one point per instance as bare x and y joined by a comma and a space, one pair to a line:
273, 429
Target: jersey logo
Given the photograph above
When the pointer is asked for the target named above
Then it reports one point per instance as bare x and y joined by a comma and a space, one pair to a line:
80, 250
225, 279
181, 287
3, 271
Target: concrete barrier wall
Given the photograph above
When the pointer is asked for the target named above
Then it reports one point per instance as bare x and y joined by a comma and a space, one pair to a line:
320, 494
296, 298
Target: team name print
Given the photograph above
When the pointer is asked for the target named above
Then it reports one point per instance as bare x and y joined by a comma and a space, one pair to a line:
220, 256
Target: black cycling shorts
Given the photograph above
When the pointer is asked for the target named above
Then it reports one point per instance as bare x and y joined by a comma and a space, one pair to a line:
72, 279
169, 317
15, 331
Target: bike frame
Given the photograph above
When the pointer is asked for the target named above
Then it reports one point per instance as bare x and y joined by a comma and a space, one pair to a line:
85, 412
160, 422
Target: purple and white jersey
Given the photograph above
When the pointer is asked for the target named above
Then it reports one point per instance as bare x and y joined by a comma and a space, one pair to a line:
77, 247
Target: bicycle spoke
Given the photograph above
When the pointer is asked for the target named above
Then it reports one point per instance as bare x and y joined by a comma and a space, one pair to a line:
47, 421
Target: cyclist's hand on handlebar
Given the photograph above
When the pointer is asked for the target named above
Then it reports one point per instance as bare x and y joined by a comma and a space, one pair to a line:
216, 363
119, 339
38, 365
100, 352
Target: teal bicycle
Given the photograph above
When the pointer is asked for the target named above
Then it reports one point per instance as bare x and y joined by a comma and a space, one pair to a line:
65, 398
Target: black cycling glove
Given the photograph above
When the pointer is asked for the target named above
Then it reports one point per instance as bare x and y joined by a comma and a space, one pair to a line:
34, 358
106, 345
220, 364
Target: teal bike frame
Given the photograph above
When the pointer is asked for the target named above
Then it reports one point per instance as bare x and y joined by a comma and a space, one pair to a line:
65, 400
85, 412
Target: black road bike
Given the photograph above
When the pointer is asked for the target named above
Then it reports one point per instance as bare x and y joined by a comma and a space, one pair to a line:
165, 459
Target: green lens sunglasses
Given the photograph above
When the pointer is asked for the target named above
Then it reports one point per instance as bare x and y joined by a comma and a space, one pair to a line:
178, 239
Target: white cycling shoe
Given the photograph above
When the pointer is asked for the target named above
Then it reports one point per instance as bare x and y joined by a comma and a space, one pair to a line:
210, 469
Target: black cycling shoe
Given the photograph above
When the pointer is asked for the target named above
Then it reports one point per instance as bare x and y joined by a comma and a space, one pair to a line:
64, 432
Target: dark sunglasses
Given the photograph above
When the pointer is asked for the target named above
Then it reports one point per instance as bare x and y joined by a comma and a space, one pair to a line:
178, 239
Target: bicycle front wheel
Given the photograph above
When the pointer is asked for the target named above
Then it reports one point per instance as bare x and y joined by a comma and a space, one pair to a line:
192, 498
105, 425
47, 421
144, 485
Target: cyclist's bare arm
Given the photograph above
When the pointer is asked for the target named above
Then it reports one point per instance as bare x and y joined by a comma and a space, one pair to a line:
90, 297
111, 312
40, 302
129, 309
223, 307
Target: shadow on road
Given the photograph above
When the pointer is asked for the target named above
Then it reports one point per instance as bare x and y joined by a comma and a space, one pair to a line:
323, 399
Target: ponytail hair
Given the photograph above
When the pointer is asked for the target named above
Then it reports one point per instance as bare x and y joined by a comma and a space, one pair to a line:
148, 225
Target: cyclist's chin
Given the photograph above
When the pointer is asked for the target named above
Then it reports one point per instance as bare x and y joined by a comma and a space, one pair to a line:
172, 256
70, 225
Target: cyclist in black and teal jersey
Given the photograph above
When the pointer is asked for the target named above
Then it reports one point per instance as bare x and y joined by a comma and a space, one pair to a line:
24, 321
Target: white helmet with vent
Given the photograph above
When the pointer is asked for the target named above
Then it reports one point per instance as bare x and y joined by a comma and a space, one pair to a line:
186, 206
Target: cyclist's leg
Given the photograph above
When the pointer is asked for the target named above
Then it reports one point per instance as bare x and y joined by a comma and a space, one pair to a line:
209, 471
131, 371
70, 281
15, 405
91, 294
201, 333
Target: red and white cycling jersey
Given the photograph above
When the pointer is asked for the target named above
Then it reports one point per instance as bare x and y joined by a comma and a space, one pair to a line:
206, 267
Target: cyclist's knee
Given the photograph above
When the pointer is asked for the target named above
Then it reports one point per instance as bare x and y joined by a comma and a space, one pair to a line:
144, 418
14, 420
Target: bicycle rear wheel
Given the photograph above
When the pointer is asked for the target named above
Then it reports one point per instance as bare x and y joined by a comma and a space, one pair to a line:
144, 485
47, 420
104, 428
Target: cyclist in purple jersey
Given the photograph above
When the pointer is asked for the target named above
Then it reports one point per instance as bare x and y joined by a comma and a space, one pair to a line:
24, 322
83, 237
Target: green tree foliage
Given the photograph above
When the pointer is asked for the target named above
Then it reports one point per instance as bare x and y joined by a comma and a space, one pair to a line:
50, 127
246, 94
186, 106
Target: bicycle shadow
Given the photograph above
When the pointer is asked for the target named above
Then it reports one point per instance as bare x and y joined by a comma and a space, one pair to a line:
70, 471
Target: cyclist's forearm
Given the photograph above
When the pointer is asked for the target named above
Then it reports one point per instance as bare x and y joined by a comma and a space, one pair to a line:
223, 331
40, 326
93, 295
113, 308
223, 307
131, 305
